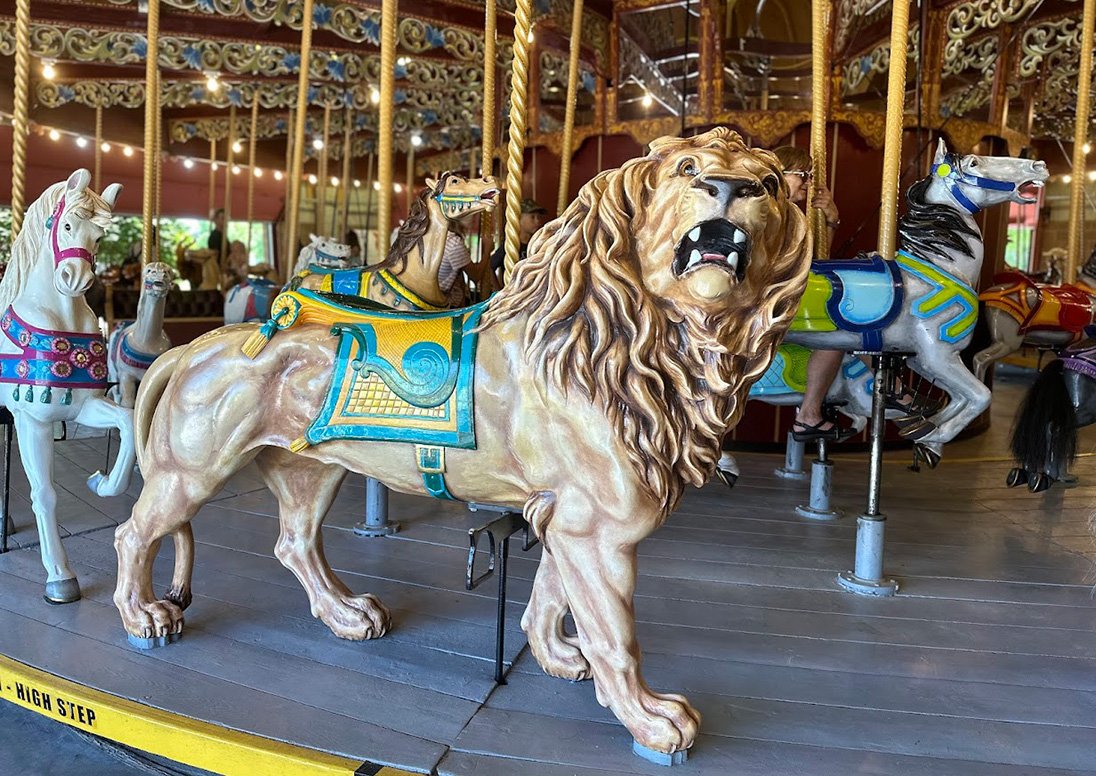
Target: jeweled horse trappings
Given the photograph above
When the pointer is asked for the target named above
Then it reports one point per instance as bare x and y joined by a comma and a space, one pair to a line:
1021, 312
923, 301
408, 277
53, 360
1062, 400
134, 346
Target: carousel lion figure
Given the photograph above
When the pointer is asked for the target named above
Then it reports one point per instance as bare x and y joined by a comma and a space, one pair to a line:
596, 386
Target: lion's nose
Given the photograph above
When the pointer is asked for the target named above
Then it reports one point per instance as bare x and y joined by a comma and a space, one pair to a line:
727, 190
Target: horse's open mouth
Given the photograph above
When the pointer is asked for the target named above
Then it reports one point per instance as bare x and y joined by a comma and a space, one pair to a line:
1027, 192
716, 243
489, 197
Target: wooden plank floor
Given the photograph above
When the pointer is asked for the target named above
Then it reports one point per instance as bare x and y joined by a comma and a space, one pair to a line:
985, 663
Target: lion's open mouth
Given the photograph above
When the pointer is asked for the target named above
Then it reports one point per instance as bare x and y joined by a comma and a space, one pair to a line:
717, 243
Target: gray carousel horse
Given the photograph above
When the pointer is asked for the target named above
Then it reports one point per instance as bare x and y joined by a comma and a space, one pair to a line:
923, 301
1022, 312
1062, 400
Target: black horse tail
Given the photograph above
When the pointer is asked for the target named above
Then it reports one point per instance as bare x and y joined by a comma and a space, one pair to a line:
1044, 437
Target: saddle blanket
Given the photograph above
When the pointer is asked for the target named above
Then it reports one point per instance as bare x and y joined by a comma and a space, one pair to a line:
787, 373
862, 295
356, 281
402, 377
1081, 358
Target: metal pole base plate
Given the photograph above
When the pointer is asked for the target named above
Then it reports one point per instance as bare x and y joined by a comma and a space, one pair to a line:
789, 474
818, 514
659, 758
373, 531
155, 641
880, 588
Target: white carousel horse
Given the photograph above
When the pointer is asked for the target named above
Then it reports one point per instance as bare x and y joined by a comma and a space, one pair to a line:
325, 253
922, 302
134, 346
52, 352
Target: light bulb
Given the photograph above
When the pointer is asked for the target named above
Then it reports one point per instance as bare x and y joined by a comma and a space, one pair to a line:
215, 167
334, 181
357, 183
313, 179
1086, 148
127, 151
235, 169
188, 163
317, 143
397, 188
531, 36
374, 96
212, 83
105, 147
258, 172
1092, 175
402, 61
416, 140
648, 100
54, 135
237, 147
49, 72
278, 175
376, 185
82, 142
1067, 179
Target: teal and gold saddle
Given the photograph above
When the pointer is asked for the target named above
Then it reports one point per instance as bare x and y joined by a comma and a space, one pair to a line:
398, 377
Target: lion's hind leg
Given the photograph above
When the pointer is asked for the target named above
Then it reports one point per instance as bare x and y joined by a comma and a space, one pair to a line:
305, 489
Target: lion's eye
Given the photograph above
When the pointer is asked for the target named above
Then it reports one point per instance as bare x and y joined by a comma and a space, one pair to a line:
771, 185
688, 167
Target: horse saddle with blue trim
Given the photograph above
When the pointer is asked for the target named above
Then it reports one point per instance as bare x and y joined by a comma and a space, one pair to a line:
862, 295
401, 377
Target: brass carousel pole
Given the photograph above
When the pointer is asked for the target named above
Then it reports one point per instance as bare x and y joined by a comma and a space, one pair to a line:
20, 122
152, 105
321, 172
288, 187
159, 160
229, 165
347, 151
294, 173
410, 192
569, 114
867, 578
212, 176
490, 114
251, 138
820, 77
515, 152
389, 9
95, 181
1080, 137
368, 206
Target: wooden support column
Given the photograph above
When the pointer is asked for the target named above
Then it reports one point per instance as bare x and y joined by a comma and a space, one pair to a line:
96, 182
229, 164
252, 138
706, 65
321, 173
566, 146
344, 191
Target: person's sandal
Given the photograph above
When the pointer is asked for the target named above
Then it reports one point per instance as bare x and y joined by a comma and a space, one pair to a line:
813, 433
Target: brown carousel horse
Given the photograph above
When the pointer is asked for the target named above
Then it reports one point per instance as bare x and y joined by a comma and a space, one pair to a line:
1021, 311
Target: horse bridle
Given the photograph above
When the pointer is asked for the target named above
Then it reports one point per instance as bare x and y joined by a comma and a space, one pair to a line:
52, 223
952, 172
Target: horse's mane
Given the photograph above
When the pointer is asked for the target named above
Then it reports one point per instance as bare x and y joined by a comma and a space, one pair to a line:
931, 231
412, 229
670, 378
86, 205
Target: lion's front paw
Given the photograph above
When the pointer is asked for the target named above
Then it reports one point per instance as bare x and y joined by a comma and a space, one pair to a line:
560, 657
355, 617
153, 619
662, 722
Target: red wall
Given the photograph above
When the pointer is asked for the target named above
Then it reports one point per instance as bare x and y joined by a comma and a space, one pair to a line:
185, 192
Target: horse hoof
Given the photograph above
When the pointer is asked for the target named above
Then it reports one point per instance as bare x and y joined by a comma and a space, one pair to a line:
919, 429
728, 478
62, 591
1039, 483
1016, 477
95, 482
929, 456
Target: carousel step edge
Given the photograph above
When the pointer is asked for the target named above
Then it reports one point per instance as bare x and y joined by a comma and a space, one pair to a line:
183, 739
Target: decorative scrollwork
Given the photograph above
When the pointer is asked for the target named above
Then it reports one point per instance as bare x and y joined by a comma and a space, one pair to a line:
1041, 40
91, 93
975, 16
981, 55
859, 70
554, 67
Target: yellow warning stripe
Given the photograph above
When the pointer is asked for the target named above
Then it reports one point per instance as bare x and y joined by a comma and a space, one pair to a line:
182, 739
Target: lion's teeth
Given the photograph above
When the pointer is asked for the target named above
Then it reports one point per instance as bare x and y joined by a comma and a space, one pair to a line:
733, 259
694, 258
739, 236
695, 234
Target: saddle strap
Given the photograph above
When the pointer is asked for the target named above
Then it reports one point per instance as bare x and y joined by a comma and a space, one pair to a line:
431, 461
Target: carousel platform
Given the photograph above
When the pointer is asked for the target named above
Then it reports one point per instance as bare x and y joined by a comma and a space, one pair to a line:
983, 664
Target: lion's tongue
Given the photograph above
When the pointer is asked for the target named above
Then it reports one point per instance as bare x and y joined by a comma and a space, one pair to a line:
713, 257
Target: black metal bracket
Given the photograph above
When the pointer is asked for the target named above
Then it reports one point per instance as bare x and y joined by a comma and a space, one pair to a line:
499, 531
7, 525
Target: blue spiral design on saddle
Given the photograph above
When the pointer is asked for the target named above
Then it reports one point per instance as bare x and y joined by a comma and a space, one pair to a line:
426, 367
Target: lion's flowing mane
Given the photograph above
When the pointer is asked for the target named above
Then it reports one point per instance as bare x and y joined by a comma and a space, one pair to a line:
670, 378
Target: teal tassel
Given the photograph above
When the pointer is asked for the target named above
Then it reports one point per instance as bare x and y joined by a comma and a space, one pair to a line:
67, 398
29, 396
47, 396
15, 393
